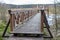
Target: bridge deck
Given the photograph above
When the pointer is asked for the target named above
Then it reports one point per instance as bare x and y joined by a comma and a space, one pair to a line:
31, 26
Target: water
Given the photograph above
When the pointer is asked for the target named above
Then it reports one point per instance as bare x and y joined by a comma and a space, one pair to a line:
51, 18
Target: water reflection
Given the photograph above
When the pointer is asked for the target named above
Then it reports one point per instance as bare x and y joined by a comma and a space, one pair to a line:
51, 19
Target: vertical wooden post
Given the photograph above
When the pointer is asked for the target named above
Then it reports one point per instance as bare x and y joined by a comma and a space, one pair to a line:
22, 17
42, 21
31, 12
12, 24
28, 15
25, 15
17, 18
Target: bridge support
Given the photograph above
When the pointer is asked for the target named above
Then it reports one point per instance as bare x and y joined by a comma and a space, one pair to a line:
44, 20
12, 20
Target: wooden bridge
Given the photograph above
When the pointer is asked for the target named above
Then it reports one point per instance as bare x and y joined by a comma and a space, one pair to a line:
27, 23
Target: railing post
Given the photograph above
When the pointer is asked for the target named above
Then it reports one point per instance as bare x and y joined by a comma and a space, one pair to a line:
31, 12
28, 15
12, 24
22, 17
42, 21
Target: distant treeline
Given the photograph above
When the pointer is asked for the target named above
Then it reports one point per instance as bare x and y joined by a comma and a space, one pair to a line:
28, 6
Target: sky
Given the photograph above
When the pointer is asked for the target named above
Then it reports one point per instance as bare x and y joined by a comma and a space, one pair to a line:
22, 2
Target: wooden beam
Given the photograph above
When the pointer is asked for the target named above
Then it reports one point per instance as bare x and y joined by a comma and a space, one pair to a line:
12, 20
42, 21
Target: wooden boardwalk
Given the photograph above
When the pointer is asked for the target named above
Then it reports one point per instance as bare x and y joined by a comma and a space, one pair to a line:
30, 29
31, 26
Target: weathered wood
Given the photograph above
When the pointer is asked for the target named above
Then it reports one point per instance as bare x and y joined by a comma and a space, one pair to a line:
12, 20
32, 26
12, 23
42, 21
23, 16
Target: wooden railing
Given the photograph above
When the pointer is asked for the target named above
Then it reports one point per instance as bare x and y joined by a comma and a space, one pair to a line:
20, 16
